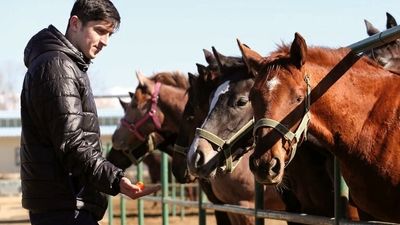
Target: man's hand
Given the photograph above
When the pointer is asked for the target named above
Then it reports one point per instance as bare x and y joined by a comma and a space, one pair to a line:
133, 191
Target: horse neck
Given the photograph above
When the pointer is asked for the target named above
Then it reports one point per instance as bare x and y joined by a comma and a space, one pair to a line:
343, 110
172, 101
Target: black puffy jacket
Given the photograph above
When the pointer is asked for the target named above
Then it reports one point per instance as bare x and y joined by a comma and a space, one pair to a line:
61, 161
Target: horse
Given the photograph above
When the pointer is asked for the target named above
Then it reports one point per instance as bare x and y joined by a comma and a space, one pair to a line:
156, 107
240, 177
195, 111
356, 118
387, 55
230, 112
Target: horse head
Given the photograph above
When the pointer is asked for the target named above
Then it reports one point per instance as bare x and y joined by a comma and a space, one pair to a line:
228, 111
144, 127
194, 113
279, 99
387, 55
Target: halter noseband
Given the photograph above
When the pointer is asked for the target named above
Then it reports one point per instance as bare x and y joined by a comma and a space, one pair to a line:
292, 138
151, 114
226, 145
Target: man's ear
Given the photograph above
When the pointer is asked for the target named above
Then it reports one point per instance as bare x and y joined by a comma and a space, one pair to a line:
74, 23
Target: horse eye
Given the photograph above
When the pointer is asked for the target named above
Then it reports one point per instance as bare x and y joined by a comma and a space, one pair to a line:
242, 101
299, 99
190, 118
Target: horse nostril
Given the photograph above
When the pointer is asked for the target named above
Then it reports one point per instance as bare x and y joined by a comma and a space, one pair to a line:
253, 163
275, 166
199, 160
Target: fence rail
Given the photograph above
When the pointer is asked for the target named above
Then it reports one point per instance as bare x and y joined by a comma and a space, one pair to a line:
257, 213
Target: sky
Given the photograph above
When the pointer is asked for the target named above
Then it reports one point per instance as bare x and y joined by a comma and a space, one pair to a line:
157, 36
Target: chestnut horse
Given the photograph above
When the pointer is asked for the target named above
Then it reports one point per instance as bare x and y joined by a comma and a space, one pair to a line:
311, 194
387, 55
356, 118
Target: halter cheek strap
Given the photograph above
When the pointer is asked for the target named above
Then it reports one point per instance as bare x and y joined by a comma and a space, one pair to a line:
292, 138
226, 145
151, 114
180, 149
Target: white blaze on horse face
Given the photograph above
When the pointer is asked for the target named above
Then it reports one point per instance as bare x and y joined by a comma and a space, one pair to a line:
223, 88
271, 84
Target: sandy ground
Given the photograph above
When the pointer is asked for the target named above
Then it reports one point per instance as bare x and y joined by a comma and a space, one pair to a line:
11, 212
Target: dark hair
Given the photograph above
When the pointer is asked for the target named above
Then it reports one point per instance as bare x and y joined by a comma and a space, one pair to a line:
89, 10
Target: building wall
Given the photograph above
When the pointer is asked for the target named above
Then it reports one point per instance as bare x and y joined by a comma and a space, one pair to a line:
9, 158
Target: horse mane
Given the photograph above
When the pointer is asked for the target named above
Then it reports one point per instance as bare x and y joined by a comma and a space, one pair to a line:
323, 56
175, 78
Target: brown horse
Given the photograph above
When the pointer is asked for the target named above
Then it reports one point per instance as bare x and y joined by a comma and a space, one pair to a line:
195, 111
157, 110
387, 55
311, 194
240, 179
356, 118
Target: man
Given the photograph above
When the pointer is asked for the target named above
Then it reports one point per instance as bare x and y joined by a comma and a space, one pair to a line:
63, 172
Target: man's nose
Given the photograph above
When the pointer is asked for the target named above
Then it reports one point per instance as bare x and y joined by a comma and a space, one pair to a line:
104, 39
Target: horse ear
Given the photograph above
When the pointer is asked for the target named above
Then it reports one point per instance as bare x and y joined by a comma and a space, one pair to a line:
124, 104
371, 30
250, 58
144, 81
221, 59
390, 21
210, 58
192, 79
298, 51
201, 69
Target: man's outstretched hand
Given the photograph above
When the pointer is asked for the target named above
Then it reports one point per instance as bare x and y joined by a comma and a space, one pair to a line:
133, 191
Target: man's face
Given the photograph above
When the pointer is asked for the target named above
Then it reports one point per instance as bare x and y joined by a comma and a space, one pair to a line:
93, 36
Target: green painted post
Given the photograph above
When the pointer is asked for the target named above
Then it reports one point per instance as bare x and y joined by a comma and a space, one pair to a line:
182, 192
173, 195
110, 209
140, 204
259, 201
164, 183
122, 208
202, 212
341, 193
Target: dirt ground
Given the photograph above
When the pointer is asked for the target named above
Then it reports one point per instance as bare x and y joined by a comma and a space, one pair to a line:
11, 212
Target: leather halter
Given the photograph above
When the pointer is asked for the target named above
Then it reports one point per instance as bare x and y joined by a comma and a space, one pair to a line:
151, 114
180, 149
226, 145
292, 138
151, 145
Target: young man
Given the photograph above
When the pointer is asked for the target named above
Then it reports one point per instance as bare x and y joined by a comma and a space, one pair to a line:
63, 172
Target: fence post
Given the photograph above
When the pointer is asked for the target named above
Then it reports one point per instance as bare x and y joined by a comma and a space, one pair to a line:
122, 209
164, 192
202, 212
341, 193
139, 177
259, 201
110, 209
182, 192
173, 195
